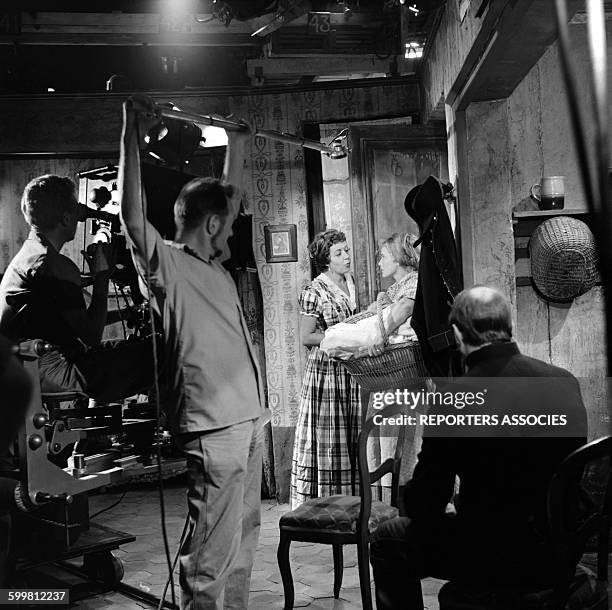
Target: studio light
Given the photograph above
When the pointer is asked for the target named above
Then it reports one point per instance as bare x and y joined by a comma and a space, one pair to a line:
100, 196
173, 142
213, 136
413, 50
339, 150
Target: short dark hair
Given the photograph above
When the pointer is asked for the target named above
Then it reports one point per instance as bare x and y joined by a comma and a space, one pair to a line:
199, 198
482, 314
321, 244
45, 200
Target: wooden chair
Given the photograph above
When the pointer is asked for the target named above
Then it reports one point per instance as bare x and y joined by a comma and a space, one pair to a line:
340, 520
589, 467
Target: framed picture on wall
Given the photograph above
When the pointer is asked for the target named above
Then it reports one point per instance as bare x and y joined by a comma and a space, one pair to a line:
281, 243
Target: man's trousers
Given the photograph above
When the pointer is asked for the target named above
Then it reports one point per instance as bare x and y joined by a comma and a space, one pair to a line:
224, 499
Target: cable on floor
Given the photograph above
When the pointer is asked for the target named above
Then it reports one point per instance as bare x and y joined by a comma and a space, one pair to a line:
103, 510
178, 552
160, 480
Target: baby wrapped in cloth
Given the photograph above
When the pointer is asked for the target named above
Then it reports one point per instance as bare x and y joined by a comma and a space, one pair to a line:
354, 337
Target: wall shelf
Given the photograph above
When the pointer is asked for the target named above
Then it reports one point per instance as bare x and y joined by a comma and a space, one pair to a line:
524, 224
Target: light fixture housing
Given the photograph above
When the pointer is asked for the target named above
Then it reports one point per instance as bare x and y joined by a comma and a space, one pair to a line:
173, 142
339, 150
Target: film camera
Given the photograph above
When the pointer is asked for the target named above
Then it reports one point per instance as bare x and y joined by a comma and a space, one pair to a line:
105, 228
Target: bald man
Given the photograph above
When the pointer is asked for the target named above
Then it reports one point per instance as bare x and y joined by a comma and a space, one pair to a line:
499, 533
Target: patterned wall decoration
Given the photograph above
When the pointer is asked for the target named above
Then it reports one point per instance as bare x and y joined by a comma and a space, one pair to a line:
276, 188
337, 187
347, 102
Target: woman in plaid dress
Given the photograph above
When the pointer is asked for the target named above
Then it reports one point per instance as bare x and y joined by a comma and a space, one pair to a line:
329, 416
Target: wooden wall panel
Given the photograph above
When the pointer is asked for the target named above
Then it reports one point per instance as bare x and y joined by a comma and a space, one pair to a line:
510, 144
570, 336
489, 177
540, 143
13, 229
56, 123
526, 155
576, 339
448, 53
577, 344
531, 327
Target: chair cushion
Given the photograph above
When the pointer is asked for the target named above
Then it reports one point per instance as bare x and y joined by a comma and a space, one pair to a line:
586, 593
337, 513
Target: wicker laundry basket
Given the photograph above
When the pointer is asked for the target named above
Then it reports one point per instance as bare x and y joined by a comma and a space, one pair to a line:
563, 258
393, 367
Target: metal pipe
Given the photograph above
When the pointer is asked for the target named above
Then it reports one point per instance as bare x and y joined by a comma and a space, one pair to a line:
290, 138
208, 119
98, 170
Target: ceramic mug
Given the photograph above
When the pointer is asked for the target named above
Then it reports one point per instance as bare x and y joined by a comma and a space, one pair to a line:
550, 194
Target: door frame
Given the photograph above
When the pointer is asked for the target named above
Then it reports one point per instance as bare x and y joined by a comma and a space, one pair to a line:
363, 142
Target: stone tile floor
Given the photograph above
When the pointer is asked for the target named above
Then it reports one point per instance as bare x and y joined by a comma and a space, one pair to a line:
145, 564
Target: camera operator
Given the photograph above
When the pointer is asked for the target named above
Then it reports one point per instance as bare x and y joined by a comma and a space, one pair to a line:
41, 297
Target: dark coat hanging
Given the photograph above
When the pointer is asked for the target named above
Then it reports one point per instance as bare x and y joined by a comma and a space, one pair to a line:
439, 277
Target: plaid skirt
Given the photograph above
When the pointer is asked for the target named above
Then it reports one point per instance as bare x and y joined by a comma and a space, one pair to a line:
329, 421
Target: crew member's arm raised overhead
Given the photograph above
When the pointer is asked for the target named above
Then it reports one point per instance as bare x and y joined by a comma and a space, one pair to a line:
139, 115
233, 169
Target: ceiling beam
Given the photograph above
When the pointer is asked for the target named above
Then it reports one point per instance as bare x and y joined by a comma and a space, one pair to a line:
525, 29
129, 23
126, 29
127, 40
321, 65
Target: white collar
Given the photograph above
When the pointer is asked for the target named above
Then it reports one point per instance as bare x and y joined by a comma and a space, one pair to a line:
350, 284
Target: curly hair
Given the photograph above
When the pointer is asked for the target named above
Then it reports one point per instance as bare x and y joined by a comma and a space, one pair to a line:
320, 246
45, 200
402, 250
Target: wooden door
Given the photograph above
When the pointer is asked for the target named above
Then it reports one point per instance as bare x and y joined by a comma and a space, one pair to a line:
385, 162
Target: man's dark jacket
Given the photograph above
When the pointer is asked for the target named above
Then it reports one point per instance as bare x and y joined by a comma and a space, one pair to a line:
439, 276
501, 509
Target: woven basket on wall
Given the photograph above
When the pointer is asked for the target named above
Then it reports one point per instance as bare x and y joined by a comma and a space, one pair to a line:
563, 258
393, 368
